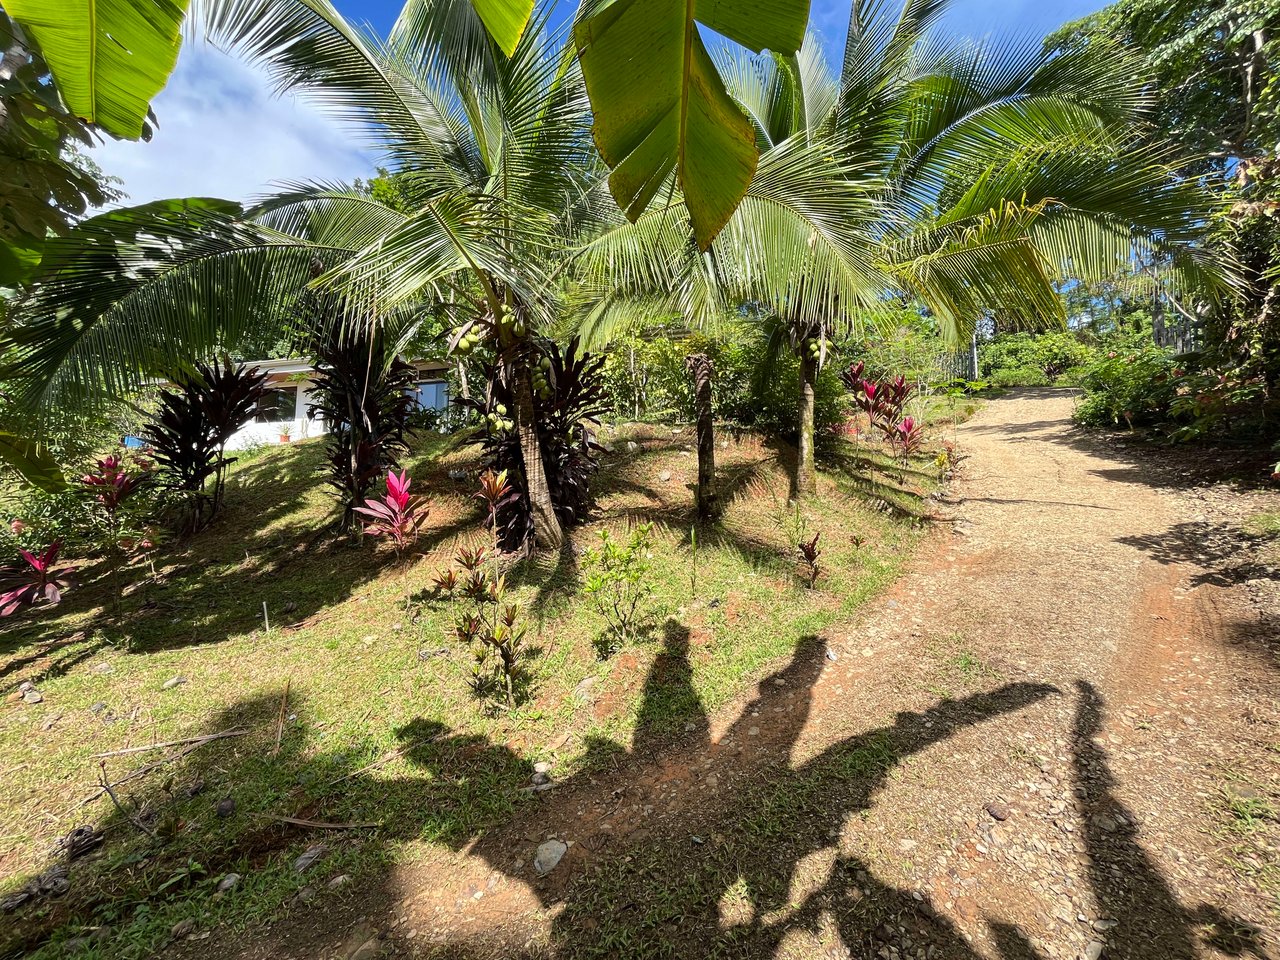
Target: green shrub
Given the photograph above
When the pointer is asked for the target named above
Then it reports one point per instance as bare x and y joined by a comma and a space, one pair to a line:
913, 349
616, 578
773, 405
1053, 354
1228, 402
648, 377
1019, 377
1128, 386
45, 517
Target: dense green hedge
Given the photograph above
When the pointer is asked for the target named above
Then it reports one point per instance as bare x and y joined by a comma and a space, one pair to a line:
1129, 384
1033, 360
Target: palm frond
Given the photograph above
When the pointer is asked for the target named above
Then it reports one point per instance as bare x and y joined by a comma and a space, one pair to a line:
962, 270
144, 292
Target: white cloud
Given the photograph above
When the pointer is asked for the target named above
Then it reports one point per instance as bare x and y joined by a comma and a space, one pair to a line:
223, 134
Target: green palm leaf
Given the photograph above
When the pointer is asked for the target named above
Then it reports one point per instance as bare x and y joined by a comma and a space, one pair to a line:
143, 292
32, 462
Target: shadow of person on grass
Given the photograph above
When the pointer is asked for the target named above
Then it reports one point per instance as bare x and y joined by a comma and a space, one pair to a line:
653, 883
1144, 917
755, 866
656, 881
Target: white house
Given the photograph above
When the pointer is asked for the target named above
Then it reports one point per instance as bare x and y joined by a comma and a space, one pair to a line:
284, 406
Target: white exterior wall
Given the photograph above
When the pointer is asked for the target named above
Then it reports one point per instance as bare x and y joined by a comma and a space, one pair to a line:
255, 434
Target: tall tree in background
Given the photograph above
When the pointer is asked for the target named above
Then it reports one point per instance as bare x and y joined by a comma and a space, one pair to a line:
1216, 101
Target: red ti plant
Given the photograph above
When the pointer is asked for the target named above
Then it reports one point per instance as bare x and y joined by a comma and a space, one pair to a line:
908, 437
446, 581
882, 402
497, 493
851, 376
809, 554
396, 516
491, 628
111, 486
39, 579
113, 483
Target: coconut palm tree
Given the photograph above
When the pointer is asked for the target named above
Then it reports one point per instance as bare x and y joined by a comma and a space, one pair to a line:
493, 166
971, 177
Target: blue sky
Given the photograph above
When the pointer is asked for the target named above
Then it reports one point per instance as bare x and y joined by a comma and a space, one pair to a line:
222, 133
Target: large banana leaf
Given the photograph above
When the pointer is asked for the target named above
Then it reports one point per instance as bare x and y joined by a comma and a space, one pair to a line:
660, 105
108, 57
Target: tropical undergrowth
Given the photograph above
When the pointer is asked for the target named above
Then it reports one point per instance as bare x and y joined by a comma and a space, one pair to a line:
304, 643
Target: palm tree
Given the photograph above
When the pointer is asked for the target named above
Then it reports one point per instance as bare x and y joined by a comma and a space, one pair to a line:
494, 166
974, 178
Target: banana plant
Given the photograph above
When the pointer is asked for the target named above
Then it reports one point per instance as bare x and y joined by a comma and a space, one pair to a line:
969, 177
658, 102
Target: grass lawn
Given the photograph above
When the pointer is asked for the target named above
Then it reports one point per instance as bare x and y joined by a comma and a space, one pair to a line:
377, 706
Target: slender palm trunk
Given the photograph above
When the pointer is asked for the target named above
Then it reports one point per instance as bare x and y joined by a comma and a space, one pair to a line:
547, 534
805, 481
700, 370
463, 383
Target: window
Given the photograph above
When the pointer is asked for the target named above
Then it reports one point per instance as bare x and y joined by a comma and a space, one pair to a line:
431, 394
277, 405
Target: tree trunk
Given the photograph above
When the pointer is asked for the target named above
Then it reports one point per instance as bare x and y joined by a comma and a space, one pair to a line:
635, 383
547, 534
1159, 332
699, 368
463, 384
806, 481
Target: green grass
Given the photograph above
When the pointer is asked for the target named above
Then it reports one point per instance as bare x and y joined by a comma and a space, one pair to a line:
1247, 825
371, 677
1264, 524
956, 667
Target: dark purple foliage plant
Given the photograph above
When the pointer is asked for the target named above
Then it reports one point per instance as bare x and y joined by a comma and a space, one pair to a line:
37, 579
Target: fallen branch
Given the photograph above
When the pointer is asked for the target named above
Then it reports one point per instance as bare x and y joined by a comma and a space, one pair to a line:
284, 706
197, 741
321, 825
106, 788
385, 758
191, 746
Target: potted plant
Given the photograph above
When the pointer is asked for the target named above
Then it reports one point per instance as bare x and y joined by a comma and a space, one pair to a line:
285, 433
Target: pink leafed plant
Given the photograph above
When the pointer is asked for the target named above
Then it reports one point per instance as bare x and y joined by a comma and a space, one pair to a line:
881, 402
39, 579
908, 437
851, 376
397, 515
113, 483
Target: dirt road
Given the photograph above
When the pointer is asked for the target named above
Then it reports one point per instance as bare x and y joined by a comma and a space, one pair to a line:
1056, 737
